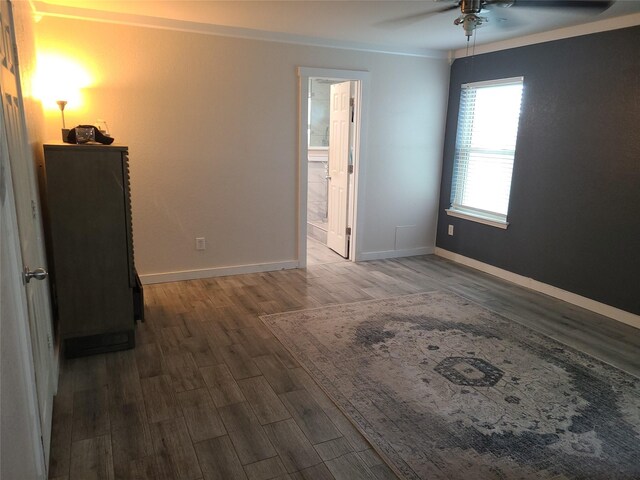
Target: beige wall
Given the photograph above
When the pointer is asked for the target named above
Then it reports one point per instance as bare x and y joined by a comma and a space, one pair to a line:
211, 123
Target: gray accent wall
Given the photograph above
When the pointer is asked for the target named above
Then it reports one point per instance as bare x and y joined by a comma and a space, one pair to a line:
574, 211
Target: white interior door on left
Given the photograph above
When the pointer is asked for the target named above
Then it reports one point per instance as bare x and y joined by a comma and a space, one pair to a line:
29, 227
21, 454
339, 146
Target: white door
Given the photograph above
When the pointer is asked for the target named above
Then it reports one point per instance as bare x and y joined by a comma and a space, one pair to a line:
21, 452
27, 211
339, 145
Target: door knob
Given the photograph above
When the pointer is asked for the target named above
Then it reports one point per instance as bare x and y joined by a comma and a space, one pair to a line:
38, 274
327, 177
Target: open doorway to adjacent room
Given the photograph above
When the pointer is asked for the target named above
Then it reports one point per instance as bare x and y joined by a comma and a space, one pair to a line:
332, 141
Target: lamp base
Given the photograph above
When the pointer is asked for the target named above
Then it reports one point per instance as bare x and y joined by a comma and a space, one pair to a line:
65, 135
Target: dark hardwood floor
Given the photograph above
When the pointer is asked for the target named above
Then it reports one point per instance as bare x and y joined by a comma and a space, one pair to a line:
210, 393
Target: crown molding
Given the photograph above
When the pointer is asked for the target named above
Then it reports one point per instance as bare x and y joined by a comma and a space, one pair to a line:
597, 26
42, 10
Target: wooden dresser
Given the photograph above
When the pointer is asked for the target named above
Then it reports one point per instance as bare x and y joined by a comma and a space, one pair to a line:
95, 289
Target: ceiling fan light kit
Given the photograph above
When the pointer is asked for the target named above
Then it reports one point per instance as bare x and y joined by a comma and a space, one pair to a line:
469, 23
470, 20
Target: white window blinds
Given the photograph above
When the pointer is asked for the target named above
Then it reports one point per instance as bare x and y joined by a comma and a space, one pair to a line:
485, 148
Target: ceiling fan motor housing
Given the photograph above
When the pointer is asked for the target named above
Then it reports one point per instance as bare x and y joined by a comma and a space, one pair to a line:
471, 6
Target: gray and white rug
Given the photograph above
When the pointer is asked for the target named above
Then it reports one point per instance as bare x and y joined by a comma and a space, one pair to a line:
449, 390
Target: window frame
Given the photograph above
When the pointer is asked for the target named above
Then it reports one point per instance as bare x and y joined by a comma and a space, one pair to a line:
494, 219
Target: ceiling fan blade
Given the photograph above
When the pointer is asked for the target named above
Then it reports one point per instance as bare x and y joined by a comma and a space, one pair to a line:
600, 5
415, 17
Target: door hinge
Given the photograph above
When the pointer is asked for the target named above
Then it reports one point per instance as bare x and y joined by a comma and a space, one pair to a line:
350, 169
348, 230
34, 211
352, 101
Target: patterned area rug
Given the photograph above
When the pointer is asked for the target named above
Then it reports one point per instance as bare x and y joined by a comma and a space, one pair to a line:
449, 390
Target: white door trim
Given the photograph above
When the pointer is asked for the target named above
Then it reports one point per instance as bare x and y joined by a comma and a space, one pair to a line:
362, 79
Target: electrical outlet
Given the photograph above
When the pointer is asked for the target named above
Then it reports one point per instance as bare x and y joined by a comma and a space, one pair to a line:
200, 243
450, 232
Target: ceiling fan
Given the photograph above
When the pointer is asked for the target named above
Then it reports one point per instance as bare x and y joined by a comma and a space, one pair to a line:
470, 10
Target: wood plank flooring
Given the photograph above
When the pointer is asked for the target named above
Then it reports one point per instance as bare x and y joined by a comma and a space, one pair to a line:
210, 393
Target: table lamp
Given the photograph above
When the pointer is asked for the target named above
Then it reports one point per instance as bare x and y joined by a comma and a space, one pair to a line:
65, 130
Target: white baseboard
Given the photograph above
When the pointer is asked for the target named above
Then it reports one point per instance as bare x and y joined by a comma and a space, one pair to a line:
394, 254
165, 277
555, 292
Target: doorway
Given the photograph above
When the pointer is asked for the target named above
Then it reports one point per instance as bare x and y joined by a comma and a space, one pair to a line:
331, 129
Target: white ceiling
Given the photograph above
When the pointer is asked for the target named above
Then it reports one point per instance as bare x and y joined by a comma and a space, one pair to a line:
378, 25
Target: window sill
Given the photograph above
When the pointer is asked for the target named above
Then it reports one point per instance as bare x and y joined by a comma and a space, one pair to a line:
477, 218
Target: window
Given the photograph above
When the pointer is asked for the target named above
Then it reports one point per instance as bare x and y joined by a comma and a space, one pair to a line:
485, 149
